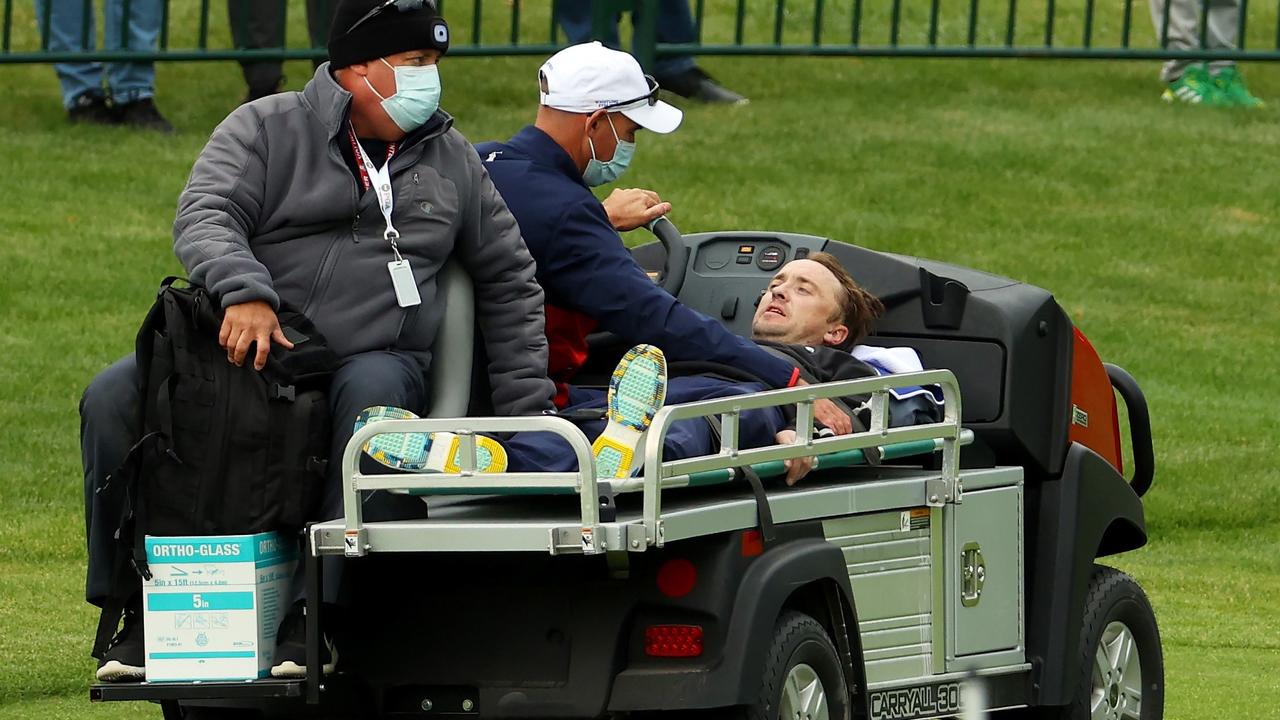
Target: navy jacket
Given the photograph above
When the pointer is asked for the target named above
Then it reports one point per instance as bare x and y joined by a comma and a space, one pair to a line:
589, 277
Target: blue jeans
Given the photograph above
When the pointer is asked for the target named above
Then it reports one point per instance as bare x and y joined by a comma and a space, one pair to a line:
533, 452
69, 32
675, 25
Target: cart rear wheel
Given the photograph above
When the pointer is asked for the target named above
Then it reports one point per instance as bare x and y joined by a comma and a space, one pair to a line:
803, 679
1122, 667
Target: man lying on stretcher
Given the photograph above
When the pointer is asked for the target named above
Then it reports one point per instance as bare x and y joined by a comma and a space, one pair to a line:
812, 313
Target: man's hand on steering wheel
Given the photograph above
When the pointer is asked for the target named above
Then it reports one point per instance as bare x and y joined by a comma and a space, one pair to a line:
630, 208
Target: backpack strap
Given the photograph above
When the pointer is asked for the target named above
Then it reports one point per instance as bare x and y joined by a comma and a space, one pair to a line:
130, 562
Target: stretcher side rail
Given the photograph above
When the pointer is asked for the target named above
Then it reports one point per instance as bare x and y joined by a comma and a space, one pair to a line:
596, 537
355, 483
674, 473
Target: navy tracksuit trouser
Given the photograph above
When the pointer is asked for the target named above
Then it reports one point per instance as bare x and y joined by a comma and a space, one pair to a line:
531, 452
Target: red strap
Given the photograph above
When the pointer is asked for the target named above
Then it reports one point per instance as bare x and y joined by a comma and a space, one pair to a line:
355, 152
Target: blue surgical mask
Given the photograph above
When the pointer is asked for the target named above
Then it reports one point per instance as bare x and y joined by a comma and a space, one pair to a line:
604, 172
417, 95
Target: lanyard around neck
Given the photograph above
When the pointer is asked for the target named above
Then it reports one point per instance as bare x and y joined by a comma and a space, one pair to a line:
379, 179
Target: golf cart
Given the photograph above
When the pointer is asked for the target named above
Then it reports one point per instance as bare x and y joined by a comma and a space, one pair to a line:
928, 582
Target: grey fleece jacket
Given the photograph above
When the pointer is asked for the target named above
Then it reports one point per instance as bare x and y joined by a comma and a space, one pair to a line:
272, 212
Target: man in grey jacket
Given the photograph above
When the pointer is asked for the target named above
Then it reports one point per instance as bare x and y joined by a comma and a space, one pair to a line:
342, 201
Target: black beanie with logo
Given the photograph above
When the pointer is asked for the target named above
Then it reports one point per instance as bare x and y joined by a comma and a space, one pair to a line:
401, 26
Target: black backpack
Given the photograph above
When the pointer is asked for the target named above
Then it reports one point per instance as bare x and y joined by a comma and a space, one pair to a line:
225, 450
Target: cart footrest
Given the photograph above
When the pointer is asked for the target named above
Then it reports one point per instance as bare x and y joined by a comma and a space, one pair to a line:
220, 690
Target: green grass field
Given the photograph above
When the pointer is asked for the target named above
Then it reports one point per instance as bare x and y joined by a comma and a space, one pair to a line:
1156, 227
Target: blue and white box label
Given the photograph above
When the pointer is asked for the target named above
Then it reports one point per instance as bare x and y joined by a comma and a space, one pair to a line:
213, 604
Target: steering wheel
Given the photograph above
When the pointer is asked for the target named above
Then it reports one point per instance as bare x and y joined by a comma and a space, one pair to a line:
672, 276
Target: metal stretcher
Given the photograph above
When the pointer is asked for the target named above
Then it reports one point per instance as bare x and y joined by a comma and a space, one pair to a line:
488, 524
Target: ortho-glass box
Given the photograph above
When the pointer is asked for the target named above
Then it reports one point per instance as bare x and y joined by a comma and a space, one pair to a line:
213, 604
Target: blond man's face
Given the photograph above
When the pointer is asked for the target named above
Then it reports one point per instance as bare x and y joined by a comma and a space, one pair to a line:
801, 307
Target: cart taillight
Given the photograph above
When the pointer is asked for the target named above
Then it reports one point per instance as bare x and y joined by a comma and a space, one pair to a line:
673, 641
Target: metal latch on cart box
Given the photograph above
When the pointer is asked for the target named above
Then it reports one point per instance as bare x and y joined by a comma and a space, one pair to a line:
973, 574
609, 537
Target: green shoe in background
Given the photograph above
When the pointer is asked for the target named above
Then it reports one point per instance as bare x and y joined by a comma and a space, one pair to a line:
1231, 86
1195, 87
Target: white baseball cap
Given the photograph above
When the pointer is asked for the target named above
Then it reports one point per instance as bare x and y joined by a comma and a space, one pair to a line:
589, 77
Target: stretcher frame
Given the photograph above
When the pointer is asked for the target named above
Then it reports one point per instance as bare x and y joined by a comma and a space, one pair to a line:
492, 528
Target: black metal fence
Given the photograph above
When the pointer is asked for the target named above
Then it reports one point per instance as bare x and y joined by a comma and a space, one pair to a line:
1117, 29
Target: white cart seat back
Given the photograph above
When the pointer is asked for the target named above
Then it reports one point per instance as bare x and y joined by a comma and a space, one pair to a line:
453, 352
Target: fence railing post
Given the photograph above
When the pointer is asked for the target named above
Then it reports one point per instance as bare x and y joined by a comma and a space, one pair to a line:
126, 18
604, 20
645, 41
202, 37
1244, 18
1204, 24
604, 16
1128, 24
86, 21
972, 37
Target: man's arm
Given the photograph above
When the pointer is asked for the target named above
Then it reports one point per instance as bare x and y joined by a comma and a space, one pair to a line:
218, 212
509, 302
589, 270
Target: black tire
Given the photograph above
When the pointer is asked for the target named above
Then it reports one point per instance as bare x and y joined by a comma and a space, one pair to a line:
799, 641
1116, 601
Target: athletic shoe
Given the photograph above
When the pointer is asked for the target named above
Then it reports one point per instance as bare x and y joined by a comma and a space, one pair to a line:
426, 452
696, 84
1195, 87
143, 115
291, 647
636, 392
1231, 86
125, 658
91, 108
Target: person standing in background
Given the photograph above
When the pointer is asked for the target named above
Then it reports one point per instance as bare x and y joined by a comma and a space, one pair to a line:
679, 74
128, 95
1217, 83
257, 24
